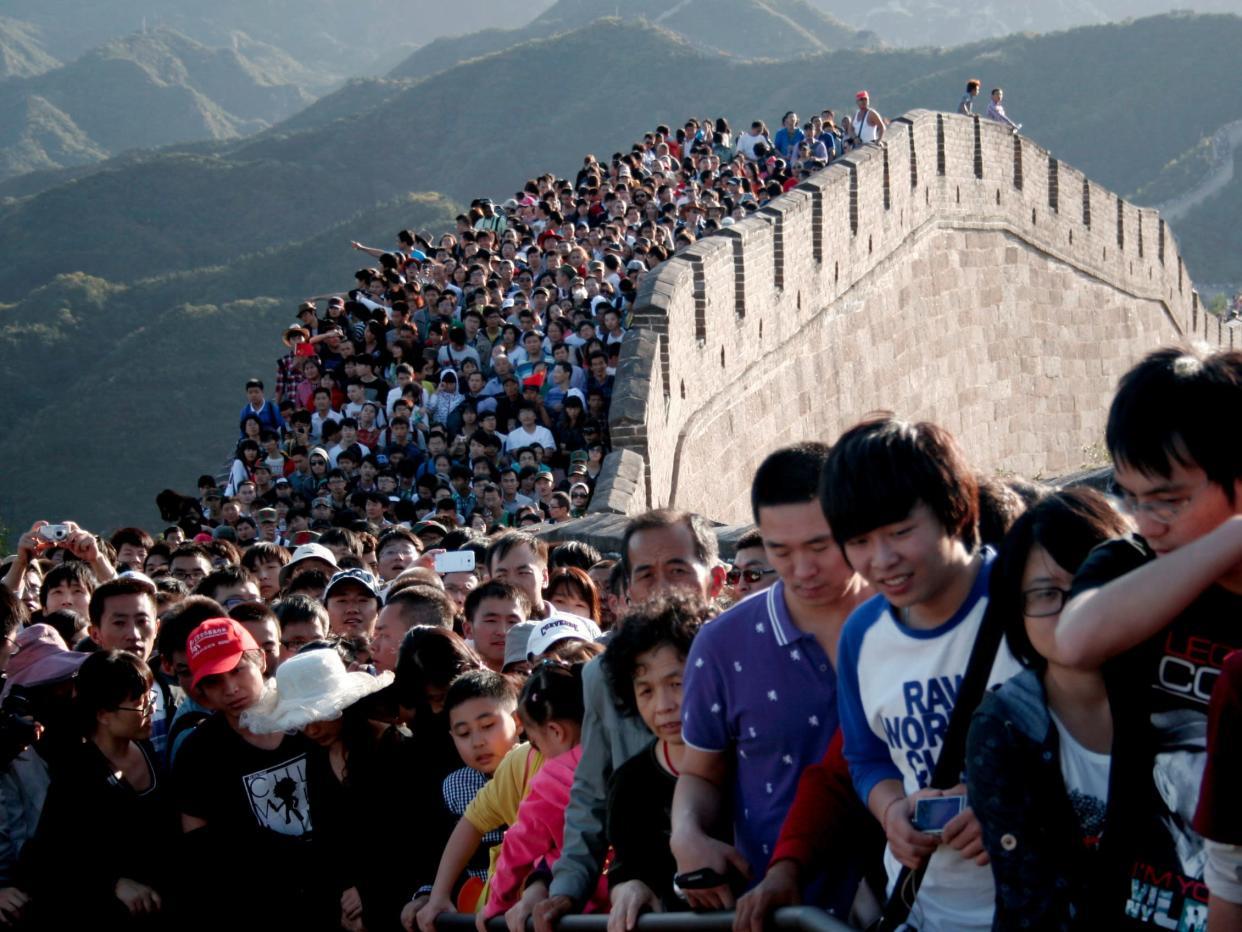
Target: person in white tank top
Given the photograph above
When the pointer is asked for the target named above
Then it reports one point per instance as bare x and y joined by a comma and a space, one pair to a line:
868, 124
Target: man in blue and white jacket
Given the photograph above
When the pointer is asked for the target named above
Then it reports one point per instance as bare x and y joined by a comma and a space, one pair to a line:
904, 505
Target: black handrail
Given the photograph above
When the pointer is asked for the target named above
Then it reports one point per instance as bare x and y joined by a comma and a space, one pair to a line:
787, 919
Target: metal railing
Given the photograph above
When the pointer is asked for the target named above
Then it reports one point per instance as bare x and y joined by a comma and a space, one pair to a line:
786, 919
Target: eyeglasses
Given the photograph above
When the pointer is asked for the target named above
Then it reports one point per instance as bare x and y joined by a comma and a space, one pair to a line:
147, 706
1162, 511
734, 576
1043, 602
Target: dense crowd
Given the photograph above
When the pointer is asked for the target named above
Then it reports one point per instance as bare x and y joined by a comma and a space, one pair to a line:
351, 689
466, 379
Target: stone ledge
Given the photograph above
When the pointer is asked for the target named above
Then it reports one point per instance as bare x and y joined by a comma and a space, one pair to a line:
620, 489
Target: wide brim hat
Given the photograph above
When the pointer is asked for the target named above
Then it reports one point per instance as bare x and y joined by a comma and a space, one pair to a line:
42, 657
295, 329
312, 686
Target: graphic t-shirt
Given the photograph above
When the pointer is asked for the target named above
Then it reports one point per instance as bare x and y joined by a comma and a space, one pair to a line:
1085, 773
897, 687
256, 806
1159, 693
229, 783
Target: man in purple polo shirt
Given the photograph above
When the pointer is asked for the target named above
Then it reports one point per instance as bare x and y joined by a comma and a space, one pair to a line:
760, 687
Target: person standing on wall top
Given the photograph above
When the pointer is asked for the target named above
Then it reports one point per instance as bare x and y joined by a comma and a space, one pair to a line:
996, 110
966, 105
868, 125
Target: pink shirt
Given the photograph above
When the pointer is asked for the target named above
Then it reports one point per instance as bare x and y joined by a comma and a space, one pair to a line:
536, 835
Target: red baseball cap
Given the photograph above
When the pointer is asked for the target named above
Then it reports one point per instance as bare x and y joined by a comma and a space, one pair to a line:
215, 646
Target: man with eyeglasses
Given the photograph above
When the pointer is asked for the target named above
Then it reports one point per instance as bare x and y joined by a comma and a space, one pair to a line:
751, 571
1158, 612
123, 616
189, 563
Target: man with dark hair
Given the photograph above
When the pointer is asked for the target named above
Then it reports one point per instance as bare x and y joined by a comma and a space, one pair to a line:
398, 549
413, 605
751, 571
257, 406
123, 616
903, 505
521, 559
760, 694
67, 585
229, 585
1158, 612
189, 563
131, 545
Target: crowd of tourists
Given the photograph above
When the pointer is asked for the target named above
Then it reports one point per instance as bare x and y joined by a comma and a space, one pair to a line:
466, 379
352, 686
912, 695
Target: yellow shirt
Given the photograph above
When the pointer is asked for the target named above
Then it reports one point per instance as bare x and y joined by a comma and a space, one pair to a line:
496, 805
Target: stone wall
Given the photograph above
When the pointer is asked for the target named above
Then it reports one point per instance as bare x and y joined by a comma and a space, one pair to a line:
957, 273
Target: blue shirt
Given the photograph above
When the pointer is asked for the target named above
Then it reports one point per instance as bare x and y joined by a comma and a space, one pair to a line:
759, 689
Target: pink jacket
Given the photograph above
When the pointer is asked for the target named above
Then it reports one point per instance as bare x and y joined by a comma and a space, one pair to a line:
537, 833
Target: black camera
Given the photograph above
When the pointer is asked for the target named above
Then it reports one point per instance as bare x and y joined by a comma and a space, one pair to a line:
18, 728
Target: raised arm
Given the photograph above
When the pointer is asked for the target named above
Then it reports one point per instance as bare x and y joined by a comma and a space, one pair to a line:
1103, 621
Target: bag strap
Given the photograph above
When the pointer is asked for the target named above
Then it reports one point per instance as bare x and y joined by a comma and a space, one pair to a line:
949, 765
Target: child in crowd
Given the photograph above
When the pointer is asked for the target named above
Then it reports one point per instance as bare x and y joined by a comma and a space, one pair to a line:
551, 712
482, 713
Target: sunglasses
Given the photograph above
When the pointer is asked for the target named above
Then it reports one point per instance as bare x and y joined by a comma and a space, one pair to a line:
734, 576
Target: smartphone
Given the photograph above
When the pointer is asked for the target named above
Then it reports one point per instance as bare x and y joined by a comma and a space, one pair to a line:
932, 814
54, 532
455, 561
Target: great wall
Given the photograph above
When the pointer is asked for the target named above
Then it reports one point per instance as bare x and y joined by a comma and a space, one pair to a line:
957, 273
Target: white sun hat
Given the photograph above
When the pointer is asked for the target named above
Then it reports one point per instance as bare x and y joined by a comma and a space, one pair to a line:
312, 686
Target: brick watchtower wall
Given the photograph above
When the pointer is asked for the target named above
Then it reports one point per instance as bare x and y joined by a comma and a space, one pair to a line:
957, 273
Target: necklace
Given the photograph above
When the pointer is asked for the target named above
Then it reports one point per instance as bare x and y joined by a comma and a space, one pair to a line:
668, 760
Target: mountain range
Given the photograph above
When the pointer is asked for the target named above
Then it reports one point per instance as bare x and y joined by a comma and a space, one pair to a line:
143, 91
776, 29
